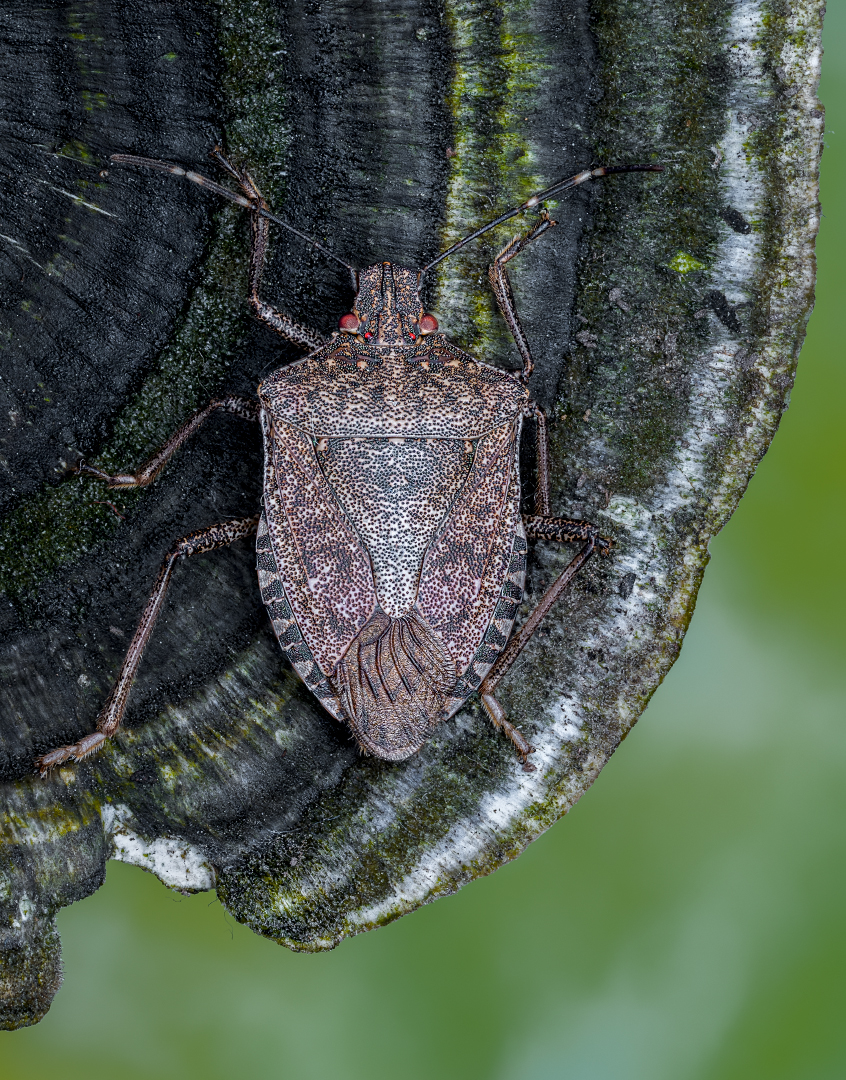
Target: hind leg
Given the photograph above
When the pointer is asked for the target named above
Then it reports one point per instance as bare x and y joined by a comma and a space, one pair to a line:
547, 528
497, 716
111, 714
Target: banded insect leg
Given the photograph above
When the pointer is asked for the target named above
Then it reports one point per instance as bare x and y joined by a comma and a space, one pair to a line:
505, 300
147, 473
505, 297
304, 336
542, 461
111, 715
546, 528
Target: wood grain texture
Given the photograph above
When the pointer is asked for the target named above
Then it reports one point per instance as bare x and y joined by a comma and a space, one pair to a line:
665, 317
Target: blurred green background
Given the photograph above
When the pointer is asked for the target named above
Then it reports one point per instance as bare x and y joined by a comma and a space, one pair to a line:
684, 922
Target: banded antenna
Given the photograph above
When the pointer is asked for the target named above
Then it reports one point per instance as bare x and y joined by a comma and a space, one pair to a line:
219, 189
542, 196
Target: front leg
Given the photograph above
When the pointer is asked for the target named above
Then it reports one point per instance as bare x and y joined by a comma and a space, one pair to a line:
539, 528
504, 295
300, 335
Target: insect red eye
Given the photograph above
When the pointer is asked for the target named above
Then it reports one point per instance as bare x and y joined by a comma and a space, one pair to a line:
428, 324
348, 322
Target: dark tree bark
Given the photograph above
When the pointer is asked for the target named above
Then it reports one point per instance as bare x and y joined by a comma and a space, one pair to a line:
666, 315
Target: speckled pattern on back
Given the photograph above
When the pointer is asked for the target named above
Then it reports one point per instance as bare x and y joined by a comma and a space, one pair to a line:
429, 390
396, 492
392, 547
285, 625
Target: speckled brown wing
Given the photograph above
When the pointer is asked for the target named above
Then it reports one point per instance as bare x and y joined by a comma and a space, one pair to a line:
323, 565
465, 568
393, 683
396, 677
284, 623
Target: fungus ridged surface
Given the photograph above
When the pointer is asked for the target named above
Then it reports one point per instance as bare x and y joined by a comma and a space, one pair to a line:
665, 312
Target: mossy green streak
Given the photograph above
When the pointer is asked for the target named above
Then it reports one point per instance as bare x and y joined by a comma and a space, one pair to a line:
55, 526
497, 63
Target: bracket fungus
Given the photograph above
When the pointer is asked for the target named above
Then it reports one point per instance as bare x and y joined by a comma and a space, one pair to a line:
665, 313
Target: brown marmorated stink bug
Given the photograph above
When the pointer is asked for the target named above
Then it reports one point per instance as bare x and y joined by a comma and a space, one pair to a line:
391, 547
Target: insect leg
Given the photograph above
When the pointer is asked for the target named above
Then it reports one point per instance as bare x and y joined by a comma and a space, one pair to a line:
496, 715
565, 531
300, 335
542, 528
108, 722
542, 452
502, 288
243, 407
303, 336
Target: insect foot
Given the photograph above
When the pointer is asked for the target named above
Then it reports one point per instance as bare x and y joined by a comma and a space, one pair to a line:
78, 751
497, 716
246, 408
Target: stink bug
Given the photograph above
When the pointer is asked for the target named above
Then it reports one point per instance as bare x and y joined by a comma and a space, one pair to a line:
391, 548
